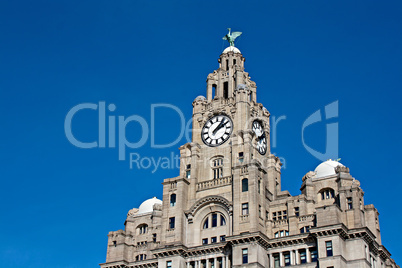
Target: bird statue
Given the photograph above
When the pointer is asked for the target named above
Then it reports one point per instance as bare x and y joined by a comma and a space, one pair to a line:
231, 37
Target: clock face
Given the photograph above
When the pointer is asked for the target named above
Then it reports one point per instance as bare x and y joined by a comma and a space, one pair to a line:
261, 138
262, 144
217, 130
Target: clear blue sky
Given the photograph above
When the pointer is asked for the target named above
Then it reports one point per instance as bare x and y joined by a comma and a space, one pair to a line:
58, 202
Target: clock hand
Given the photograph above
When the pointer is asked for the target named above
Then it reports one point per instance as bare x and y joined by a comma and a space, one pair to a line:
218, 127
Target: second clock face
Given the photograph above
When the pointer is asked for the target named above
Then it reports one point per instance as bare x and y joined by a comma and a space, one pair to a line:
260, 136
217, 130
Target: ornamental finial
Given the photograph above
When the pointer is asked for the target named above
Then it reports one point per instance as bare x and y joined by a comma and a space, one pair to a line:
231, 37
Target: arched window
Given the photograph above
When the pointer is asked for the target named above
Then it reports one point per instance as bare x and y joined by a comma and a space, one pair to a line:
305, 229
214, 219
327, 194
141, 257
142, 229
205, 226
223, 221
217, 167
244, 185
282, 233
172, 200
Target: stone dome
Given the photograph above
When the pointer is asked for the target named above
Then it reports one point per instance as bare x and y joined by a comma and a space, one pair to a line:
326, 168
200, 98
231, 49
148, 205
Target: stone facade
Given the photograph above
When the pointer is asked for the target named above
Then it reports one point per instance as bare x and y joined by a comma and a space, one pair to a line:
227, 209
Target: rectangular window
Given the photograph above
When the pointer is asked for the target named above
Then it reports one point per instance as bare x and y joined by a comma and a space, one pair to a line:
259, 211
154, 238
213, 239
220, 263
188, 171
277, 261
244, 185
245, 255
218, 173
274, 216
226, 90
244, 208
214, 219
328, 246
350, 202
223, 238
266, 215
297, 211
303, 258
205, 241
241, 157
173, 200
169, 264
171, 223
286, 256
314, 254
211, 263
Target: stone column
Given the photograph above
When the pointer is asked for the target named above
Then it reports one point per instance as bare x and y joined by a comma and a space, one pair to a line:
292, 257
208, 264
271, 260
227, 261
215, 262
281, 260
297, 256
223, 261
188, 264
308, 254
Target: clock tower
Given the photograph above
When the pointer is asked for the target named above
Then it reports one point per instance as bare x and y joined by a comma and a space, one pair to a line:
226, 208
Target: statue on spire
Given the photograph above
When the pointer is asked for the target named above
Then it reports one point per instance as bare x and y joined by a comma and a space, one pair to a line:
231, 37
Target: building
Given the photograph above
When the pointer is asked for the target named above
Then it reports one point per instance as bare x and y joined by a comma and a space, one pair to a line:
227, 208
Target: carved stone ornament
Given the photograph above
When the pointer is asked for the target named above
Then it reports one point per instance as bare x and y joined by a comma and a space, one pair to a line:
158, 207
132, 212
309, 175
340, 168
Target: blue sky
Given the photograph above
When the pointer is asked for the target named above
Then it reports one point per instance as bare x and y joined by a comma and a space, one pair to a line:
58, 202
